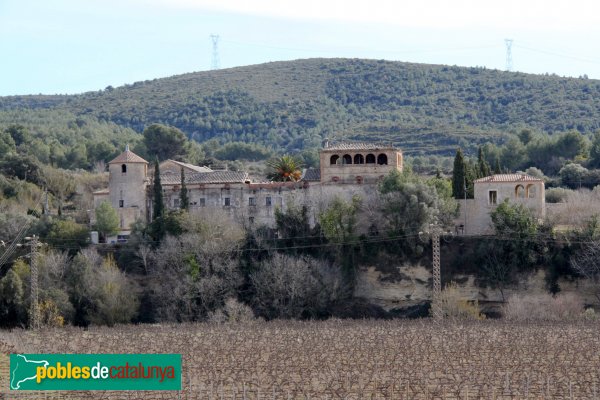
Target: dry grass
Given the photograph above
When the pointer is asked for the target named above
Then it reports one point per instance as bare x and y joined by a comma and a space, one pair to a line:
351, 359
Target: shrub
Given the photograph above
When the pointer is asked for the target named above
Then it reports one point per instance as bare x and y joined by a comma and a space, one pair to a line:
454, 306
557, 195
233, 311
544, 307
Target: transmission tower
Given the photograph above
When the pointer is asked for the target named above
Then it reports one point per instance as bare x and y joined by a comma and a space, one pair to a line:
437, 279
34, 308
215, 64
434, 231
508, 43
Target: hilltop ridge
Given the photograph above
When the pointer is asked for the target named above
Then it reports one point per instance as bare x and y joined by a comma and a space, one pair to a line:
292, 105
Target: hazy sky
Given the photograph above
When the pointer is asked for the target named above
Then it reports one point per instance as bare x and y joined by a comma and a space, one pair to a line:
71, 46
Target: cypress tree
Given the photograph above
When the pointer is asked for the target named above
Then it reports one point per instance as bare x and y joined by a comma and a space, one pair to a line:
497, 169
483, 166
184, 201
158, 206
458, 175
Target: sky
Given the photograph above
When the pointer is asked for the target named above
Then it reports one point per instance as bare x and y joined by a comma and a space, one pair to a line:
73, 46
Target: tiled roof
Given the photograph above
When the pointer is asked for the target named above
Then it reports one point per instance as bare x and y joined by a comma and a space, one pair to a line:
191, 166
357, 146
311, 174
128, 157
205, 177
507, 178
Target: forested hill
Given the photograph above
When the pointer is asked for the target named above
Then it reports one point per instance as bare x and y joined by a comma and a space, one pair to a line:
293, 105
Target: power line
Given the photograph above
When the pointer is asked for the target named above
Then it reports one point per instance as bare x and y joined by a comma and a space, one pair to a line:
566, 56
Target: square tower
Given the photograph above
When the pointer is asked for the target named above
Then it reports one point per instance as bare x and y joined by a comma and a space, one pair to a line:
357, 163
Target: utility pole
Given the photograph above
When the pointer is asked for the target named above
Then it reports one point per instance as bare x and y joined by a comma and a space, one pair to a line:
436, 308
435, 231
508, 43
34, 308
46, 208
465, 193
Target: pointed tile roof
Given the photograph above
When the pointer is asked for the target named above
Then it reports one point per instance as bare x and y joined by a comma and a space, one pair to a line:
128, 156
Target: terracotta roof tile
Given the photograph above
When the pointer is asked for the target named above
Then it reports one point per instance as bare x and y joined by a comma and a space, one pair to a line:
311, 174
205, 177
191, 166
128, 156
508, 178
357, 146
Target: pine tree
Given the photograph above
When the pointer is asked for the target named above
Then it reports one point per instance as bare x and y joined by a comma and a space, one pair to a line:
482, 165
158, 206
184, 201
458, 175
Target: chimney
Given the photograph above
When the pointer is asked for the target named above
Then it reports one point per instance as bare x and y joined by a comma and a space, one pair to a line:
325, 143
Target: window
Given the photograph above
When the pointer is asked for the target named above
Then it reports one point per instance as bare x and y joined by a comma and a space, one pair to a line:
122, 238
121, 203
124, 169
334, 159
359, 159
382, 159
202, 202
347, 159
251, 201
176, 203
227, 201
370, 159
268, 201
493, 197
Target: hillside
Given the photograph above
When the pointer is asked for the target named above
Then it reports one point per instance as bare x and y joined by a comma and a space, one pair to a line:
292, 105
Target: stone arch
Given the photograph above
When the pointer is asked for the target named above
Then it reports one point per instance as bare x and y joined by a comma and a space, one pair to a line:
334, 159
519, 192
370, 159
382, 159
359, 159
347, 159
124, 168
531, 191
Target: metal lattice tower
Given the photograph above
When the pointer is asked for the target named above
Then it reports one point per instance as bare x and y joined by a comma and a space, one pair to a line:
215, 62
508, 43
34, 310
436, 309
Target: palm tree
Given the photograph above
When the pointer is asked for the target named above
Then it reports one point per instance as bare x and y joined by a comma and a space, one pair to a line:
284, 169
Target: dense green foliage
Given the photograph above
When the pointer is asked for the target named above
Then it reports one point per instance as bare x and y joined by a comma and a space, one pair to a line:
62, 138
107, 220
284, 169
292, 105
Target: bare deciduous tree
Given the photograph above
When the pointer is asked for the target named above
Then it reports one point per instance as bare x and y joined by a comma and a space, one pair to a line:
586, 264
290, 287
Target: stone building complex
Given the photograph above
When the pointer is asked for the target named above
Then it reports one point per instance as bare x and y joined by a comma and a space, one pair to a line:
345, 169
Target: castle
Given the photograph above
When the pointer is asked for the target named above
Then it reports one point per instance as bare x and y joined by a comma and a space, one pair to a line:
346, 169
